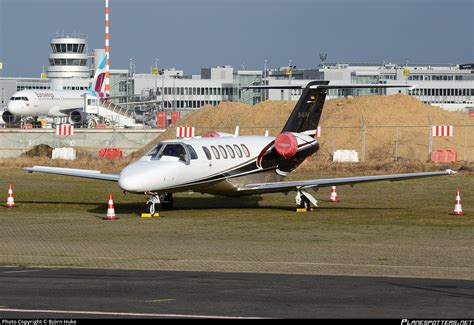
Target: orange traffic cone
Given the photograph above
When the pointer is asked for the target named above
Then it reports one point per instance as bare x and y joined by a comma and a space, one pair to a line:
10, 199
457, 203
333, 197
110, 210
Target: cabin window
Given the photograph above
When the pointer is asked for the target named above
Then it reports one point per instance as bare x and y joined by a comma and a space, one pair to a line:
231, 151
207, 152
246, 150
238, 151
223, 152
215, 152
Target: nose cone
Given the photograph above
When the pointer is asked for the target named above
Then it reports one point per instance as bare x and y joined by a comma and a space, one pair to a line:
15, 107
142, 176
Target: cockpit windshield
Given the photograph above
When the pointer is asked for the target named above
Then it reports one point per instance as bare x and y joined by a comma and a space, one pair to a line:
19, 98
174, 150
177, 150
153, 152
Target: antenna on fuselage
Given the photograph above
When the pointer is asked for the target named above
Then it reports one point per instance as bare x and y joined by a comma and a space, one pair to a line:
237, 131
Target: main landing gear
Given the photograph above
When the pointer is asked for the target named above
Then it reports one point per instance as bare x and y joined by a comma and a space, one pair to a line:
166, 200
304, 200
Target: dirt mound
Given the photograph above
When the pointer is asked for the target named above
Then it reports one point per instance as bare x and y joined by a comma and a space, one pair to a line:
389, 127
396, 126
39, 151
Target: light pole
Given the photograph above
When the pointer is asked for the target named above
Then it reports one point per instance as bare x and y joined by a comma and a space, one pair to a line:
290, 69
130, 76
264, 97
155, 72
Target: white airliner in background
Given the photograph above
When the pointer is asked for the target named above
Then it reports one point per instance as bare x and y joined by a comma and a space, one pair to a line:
236, 165
54, 103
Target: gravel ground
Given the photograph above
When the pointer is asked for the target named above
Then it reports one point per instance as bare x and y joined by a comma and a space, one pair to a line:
401, 229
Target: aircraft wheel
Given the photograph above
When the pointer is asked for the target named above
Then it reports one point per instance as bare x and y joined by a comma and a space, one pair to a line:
305, 203
151, 207
167, 201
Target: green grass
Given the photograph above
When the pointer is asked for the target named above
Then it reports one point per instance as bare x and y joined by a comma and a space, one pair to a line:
395, 229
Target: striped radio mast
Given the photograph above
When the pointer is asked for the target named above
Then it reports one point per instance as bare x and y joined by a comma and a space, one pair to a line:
107, 50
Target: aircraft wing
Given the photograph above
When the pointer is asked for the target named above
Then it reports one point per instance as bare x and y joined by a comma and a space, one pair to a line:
315, 183
84, 173
69, 110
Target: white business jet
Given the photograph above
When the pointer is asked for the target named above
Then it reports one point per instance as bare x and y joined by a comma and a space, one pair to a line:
54, 103
235, 165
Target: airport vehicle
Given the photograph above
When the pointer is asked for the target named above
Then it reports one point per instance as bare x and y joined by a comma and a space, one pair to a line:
234, 165
54, 103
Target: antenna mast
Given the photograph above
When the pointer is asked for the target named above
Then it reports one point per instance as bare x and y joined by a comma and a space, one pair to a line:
107, 50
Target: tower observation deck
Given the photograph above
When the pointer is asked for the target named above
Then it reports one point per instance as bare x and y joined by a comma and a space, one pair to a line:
68, 58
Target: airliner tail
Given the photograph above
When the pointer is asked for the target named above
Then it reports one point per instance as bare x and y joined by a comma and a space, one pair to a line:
97, 87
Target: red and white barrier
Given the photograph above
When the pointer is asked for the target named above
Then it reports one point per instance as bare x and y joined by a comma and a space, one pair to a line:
65, 130
185, 132
442, 130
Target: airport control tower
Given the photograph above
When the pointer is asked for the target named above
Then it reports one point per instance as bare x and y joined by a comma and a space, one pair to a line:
68, 58
68, 63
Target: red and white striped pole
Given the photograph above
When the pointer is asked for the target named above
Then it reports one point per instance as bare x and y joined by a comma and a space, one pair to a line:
107, 50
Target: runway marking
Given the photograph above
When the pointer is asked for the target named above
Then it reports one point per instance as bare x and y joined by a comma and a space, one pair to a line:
103, 313
252, 262
161, 300
23, 271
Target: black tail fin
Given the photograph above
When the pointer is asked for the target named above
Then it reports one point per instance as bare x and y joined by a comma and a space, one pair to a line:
308, 109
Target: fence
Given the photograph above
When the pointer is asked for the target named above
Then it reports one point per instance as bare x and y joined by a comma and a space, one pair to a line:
378, 142
14, 142
142, 121
372, 142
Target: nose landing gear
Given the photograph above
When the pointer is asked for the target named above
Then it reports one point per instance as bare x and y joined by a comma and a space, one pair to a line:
304, 200
166, 200
150, 204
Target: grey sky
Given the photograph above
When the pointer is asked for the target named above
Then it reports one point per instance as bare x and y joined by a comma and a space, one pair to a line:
190, 34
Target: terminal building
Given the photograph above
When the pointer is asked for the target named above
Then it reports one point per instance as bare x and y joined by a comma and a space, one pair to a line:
450, 87
71, 66
212, 86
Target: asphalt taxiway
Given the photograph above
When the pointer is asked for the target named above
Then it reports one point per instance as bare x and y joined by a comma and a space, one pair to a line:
105, 293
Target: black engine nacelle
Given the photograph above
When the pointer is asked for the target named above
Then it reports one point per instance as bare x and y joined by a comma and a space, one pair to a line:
78, 117
10, 119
